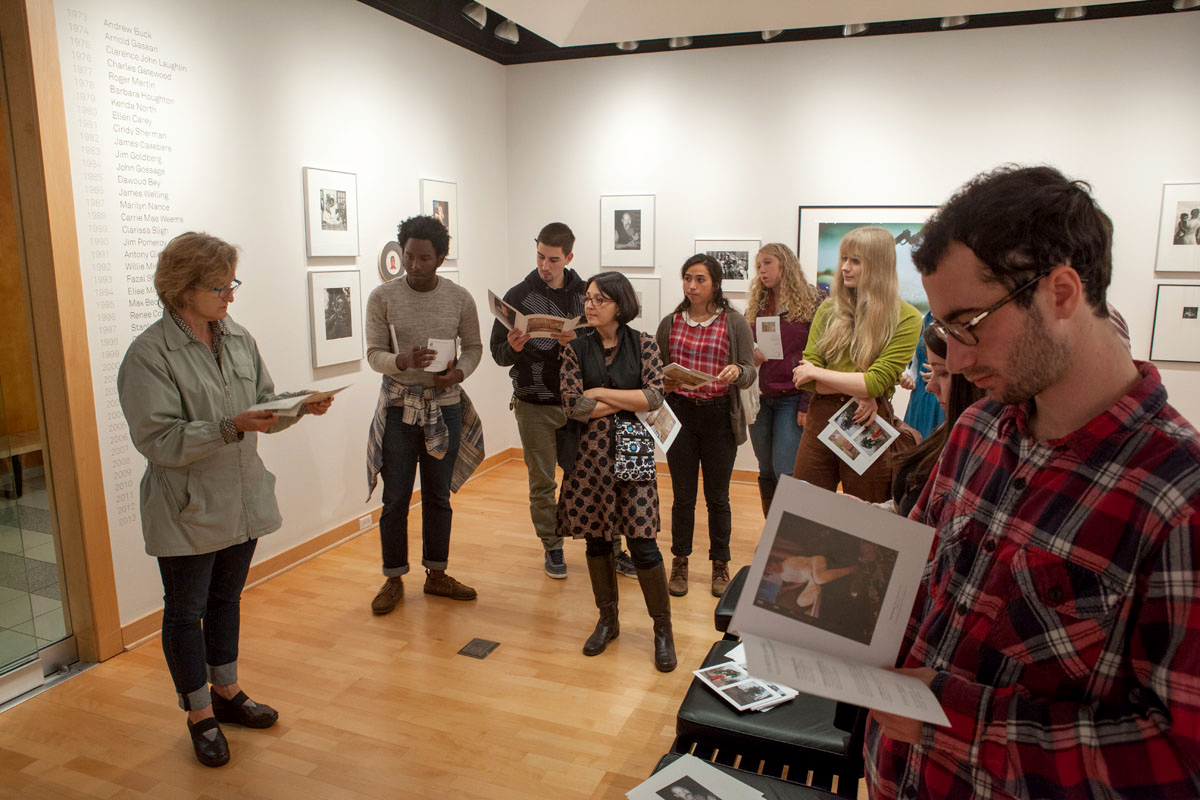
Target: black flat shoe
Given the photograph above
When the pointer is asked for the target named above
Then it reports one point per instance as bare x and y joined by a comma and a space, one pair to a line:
241, 710
211, 752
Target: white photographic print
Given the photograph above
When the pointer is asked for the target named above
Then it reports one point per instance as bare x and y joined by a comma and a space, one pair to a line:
1176, 335
689, 778
736, 257
331, 212
1179, 229
439, 199
627, 230
335, 308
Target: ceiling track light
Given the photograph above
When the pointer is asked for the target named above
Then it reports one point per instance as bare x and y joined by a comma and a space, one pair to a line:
1185, 5
475, 14
954, 22
1068, 13
769, 35
677, 42
854, 29
627, 46
507, 32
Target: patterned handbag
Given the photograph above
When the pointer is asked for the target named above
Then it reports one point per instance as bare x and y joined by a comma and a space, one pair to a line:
632, 449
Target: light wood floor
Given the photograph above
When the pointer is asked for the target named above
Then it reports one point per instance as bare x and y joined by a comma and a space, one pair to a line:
383, 707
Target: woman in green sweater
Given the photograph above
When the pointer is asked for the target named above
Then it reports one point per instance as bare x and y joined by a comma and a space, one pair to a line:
861, 340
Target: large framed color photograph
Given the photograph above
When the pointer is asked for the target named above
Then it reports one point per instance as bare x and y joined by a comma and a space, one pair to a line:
335, 306
331, 212
1179, 229
627, 230
822, 228
1176, 334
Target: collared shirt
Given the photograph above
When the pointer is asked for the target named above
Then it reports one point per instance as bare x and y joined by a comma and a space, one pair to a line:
217, 332
703, 346
1061, 609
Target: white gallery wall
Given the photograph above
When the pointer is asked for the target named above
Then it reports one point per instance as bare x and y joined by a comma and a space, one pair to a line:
245, 93
732, 140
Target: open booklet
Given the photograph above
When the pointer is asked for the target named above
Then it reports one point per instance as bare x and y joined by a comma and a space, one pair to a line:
860, 446
828, 599
662, 423
532, 324
687, 378
290, 406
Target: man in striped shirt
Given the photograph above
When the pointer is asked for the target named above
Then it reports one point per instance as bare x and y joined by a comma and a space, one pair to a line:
1058, 620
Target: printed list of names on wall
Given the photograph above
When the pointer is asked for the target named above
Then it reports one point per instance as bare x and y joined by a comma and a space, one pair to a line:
121, 86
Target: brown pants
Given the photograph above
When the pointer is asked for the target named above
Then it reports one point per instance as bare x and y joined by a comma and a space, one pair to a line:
817, 464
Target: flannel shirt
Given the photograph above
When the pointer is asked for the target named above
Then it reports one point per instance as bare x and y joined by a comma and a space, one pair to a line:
1060, 609
702, 346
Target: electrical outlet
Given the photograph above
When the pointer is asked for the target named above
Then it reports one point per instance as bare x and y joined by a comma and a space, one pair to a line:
365, 522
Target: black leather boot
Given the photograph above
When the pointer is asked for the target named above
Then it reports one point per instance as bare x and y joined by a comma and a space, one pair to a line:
654, 588
766, 493
603, 572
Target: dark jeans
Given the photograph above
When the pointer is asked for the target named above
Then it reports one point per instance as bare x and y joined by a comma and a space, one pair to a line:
704, 441
202, 597
403, 453
642, 550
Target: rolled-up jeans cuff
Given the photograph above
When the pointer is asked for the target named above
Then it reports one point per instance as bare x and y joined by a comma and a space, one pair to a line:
200, 698
395, 572
223, 674
427, 564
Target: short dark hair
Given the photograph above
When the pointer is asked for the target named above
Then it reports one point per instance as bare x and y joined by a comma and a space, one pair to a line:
427, 228
616, 286
557, 234
715, 272
1020, 221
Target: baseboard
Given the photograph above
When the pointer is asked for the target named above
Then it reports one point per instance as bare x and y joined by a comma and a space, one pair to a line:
149, 626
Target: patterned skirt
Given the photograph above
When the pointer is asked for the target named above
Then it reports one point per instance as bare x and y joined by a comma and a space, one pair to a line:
593, 503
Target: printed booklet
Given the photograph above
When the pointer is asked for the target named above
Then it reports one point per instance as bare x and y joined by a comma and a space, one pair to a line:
828, 599
532, 324
689, 777
859, 446
662, 423
687, 378
290, 406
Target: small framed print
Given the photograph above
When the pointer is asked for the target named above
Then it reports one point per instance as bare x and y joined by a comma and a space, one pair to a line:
439, 199
335, 306
1179, 229
627, 230
391, 261
736, 257
1176, 335
450, 275
648, 289
331, 212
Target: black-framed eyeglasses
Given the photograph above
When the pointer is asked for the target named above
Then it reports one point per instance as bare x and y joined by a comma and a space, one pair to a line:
589, 300
964, 332
226, 292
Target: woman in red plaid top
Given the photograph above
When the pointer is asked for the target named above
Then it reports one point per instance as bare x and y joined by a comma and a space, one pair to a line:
704, 333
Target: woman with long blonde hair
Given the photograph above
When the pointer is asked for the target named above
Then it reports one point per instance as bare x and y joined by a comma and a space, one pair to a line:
861, 339
779, 289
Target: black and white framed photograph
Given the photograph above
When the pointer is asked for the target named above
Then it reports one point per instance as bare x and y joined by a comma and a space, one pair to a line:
736, 257
335, 307
1176, 335
331, 212
648, 290
439, 199
450, 275
627, 230
1179, 229
391, 261
689, 778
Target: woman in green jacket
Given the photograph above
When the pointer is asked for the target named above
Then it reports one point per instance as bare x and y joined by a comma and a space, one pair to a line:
186, 385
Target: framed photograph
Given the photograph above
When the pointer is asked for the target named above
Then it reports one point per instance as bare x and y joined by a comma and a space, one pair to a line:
391, 261
335, 306
1176, 335
822, 228
736, 257
439, 199
648, 289
1179, 229
627, 230
450, 275
331, 212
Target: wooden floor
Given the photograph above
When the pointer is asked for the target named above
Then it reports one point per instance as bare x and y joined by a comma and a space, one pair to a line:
383, 707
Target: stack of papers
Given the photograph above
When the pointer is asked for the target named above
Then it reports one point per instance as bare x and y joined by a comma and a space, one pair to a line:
689, 777
739, 688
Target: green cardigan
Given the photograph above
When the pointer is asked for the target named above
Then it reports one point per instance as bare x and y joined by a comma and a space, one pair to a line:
884, 373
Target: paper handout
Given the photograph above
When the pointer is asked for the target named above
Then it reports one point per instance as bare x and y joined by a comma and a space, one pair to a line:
290, 406
858, 445
687, 378
662, 423
768, 338
532, 324
446, 350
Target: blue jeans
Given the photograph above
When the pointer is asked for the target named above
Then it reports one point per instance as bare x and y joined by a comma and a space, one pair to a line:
403, 454
775, 437
202, 597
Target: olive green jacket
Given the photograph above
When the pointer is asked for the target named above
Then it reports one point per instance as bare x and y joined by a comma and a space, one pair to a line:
199, 493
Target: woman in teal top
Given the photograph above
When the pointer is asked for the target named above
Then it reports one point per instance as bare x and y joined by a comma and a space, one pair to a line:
861, 340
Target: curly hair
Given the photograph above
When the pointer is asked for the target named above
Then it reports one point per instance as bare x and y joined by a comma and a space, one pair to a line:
865, 317
193, 259
427, 228
797, 296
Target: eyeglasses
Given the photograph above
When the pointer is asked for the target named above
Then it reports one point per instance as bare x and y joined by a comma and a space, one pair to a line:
964, 332
226, 292
589, 300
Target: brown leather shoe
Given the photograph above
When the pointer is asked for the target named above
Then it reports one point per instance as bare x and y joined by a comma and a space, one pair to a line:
445, 586
677, 586
720, 578
389, 595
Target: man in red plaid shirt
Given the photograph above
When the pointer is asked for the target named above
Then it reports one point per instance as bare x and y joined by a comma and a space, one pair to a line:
1058, 620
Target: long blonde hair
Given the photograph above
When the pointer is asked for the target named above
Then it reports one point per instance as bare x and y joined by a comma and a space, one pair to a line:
796, 295
864, 318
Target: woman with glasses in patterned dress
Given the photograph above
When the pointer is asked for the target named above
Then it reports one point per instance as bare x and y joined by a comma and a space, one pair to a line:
861, 340
185, 386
